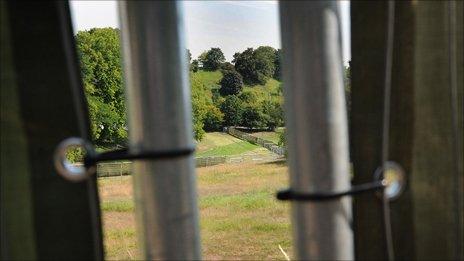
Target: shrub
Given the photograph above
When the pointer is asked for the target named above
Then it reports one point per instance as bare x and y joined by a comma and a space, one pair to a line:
231, 83
253, 116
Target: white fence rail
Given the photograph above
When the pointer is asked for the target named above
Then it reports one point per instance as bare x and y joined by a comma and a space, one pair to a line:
114, 169
125, 168
122, 168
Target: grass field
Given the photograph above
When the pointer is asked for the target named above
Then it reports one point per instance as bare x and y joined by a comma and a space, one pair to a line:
209, 79
212, 79
267, 135
271, 87
240, 219
222, 144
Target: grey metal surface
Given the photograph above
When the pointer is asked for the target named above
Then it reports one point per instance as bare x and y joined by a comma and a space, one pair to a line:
159, 113
317, 127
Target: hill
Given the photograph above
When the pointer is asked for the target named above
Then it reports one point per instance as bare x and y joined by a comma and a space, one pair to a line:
256, 106
211, 79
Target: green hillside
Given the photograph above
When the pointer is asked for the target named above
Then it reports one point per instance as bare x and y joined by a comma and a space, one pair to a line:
222, 144
211, 81
270, 89
257, 106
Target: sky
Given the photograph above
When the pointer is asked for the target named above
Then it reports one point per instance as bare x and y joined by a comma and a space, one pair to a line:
232, 26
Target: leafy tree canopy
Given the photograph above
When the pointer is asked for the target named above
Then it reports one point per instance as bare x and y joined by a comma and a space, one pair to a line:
256, 66
214, 119
194, 66
231, 83
99, 53
245, 64
227, 67
274, 113
212, 59
201, 103
232, 108
278, 64
253, 116
265, 57
248, 97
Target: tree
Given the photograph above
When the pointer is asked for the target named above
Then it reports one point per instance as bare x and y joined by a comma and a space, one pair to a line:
231, 83
245, 64
253, 116
265, 61
213, 119
201, 103
274, 113
248, 97
232, 108
212, 59
194, 66
227, 67
100, 59
256, 66
278, 64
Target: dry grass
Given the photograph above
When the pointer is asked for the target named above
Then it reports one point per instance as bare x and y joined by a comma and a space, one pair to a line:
120, 238
240, 219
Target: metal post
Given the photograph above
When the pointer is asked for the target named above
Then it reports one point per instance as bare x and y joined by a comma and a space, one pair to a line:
159, 115
317, 127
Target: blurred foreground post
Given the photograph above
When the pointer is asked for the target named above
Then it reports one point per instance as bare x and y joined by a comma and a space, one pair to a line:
159, 113
426, 126
437, 169
42, 215
317, 127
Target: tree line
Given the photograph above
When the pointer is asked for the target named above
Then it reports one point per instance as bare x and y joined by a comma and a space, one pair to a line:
234, 101
100, 59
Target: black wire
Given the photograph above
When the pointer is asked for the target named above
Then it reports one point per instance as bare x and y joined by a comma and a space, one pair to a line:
92, 159
289, 194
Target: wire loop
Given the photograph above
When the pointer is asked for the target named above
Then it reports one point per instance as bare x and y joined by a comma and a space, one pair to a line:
76, 173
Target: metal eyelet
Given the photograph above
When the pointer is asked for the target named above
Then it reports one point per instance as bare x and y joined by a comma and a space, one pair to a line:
68, 170
394, 177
